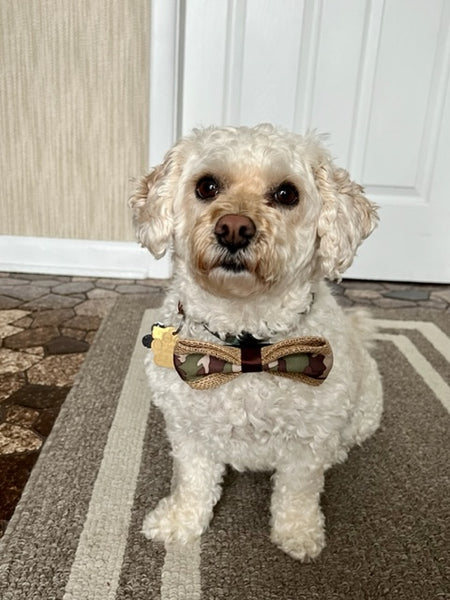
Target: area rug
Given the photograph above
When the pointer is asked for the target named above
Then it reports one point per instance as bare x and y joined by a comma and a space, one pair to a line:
76, 532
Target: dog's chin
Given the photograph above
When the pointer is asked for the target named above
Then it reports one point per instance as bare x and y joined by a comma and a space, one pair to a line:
231, 279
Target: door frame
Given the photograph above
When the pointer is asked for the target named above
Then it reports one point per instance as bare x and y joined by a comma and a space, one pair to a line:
166, 70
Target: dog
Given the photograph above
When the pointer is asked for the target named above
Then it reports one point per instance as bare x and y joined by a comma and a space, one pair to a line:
256, 219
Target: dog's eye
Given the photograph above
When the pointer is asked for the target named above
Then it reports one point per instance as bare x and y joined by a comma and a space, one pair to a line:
285, 194
206, 188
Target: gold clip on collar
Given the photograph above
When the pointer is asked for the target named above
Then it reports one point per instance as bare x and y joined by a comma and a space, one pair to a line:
162, 341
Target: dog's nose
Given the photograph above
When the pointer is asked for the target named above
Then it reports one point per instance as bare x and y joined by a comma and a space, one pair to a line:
234, 231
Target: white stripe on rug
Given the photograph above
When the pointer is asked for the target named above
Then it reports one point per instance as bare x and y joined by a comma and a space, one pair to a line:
434, 335
96, 569
180, 578
428, 373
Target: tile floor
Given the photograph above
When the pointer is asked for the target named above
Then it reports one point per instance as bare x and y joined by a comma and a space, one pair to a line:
47, 324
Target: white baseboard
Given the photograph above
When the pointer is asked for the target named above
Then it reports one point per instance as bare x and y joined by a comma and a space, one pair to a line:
79, 257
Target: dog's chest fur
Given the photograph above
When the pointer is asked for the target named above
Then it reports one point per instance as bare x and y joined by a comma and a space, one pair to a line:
247, 422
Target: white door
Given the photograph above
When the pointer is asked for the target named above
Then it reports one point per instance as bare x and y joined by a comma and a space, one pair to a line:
373, 74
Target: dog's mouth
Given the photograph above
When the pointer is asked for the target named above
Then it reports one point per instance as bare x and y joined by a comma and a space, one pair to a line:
230, 262
232, 265
231, 275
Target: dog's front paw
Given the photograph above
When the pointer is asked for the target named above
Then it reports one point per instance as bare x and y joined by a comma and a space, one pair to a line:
172, 521
301, 538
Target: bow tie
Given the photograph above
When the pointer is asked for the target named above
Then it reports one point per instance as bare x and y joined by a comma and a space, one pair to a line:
204, 365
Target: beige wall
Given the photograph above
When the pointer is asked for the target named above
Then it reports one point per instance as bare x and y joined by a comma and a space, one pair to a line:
73, 115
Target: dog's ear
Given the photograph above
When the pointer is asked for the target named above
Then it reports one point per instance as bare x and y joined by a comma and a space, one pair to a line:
152, 204
346, 219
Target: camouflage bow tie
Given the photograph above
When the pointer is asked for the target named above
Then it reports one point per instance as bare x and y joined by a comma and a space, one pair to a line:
204, 365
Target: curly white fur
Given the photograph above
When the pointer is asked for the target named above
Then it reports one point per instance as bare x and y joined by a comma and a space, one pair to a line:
259, 421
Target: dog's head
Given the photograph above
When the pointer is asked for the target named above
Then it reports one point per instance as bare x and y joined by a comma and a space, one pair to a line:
246, 209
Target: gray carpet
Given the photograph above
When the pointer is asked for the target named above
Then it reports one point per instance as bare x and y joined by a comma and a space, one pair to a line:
76, 531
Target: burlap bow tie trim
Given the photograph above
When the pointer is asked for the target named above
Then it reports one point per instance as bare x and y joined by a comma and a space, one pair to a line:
204, 365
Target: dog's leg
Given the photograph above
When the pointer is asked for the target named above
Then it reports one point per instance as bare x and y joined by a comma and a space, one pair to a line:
297, 521
187, 511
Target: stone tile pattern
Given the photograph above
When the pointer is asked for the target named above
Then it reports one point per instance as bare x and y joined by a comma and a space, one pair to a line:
47, 324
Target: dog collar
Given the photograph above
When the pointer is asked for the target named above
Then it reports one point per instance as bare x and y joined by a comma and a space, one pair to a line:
244, 338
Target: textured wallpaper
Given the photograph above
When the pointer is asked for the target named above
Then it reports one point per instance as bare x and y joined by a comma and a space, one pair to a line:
73, 115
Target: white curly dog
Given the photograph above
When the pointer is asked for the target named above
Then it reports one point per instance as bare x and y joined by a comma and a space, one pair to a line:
256, 218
